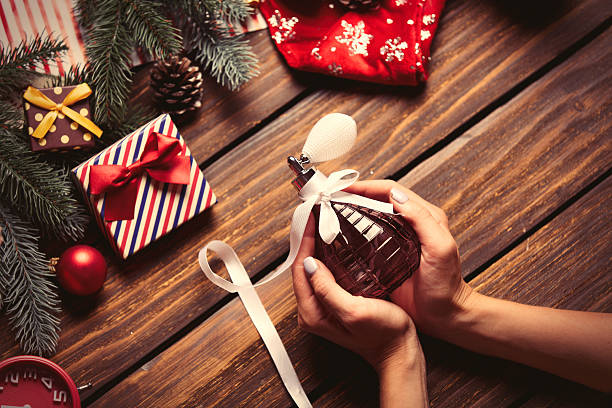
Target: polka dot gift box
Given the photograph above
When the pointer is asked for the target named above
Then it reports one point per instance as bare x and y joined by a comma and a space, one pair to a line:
143, 186
59, 119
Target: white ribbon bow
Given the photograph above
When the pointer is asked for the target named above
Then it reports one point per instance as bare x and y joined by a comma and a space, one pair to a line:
320, 190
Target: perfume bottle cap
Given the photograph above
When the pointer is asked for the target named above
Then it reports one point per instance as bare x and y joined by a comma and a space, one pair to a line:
331, 137
302, 174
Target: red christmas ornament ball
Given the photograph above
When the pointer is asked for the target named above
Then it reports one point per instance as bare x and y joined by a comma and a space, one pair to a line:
81, 270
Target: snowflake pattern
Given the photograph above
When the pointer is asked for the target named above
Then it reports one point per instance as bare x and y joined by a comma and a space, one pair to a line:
425, 35
400, 2
335, 69
393, 49
284, 27
355, 38
429, 19
315, 53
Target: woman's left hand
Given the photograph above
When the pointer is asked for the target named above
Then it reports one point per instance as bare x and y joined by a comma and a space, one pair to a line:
378, 330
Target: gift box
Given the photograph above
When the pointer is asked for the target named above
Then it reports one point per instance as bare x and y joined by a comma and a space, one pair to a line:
58, 119
143, 186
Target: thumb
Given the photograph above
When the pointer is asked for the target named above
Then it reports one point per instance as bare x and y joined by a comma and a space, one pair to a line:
325, 288
428, 230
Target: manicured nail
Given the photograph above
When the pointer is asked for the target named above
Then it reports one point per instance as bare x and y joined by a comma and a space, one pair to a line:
310, 265
399, 196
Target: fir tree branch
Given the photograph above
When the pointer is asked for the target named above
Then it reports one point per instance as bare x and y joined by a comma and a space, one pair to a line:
151, 29
29, 297
234, 11
42, 193
109, 49
228, 57
11, 117
86, 12
17, 65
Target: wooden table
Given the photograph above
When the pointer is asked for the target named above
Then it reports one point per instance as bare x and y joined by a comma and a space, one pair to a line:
511, 137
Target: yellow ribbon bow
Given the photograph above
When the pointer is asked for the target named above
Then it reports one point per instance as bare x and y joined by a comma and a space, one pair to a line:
81, 91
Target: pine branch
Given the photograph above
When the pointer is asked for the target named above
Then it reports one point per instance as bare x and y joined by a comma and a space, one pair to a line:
17, 65
42, 193
11, 117
151, 29
29, 296
77, 74
234, 11
109, 49
86, 12
228, 57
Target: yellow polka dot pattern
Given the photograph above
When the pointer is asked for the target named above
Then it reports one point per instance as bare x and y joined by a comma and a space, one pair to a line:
57, 90
42, 141
27, 106
38, 117
61, 115
74, 126
64, 139
30, 130
87, 137
52, 128
84, 112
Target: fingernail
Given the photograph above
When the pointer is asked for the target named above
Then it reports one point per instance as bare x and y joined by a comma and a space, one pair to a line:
310, 265
399, 196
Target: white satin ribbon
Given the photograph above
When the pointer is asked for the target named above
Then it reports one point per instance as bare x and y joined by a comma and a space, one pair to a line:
320, 190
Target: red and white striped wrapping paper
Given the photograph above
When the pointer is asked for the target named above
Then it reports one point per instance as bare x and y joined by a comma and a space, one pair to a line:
160, 207
23, 19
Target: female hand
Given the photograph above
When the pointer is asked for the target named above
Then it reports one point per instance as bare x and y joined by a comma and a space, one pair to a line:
378, 330
436, 294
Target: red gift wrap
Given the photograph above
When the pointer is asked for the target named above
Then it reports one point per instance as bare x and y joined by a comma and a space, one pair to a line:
389, 44
143, 186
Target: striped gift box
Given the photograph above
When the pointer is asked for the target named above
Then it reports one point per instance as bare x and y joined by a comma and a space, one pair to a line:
160, 207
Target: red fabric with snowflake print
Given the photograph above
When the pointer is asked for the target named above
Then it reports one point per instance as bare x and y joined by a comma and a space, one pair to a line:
389, 44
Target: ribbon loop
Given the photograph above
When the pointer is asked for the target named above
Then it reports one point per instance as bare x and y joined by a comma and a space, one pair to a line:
318, 190
78, 93
161, 160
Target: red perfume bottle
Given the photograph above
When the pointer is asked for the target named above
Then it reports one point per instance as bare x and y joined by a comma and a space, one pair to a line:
374, 252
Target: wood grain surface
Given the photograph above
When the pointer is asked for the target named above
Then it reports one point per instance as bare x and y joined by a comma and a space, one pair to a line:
159, 294
496, 182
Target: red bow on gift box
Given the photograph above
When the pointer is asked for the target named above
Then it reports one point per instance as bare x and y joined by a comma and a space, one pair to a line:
161, 159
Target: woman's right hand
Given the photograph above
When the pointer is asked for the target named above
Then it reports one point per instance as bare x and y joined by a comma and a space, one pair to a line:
436, 295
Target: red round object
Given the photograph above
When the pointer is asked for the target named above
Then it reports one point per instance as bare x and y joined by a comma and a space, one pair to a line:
30, 381
81, 270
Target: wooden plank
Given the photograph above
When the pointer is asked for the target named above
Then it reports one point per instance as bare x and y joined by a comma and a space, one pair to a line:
225, 115
513, 154
565, 264
150, 298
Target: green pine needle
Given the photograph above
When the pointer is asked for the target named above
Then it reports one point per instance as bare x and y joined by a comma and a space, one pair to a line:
228, 57
151, 29
109, 49
29, 296
234, 11
42, 193
17, 64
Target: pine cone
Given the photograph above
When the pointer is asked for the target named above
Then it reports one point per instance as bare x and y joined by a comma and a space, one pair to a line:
359, 4
177, 85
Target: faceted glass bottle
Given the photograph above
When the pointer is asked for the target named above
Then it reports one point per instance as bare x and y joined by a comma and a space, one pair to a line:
373, 254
